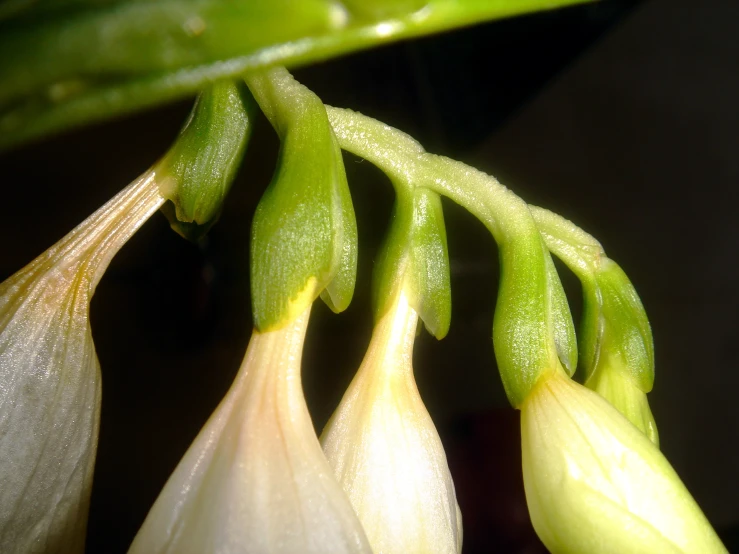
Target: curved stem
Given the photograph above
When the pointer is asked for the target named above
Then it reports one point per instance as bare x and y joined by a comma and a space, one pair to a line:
532, 330
580, 252
403, 159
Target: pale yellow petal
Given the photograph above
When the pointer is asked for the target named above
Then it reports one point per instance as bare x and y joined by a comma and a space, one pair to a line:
594, 483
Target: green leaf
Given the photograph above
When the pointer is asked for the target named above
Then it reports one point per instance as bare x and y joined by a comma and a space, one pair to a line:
304, 233
197, 172
64, 65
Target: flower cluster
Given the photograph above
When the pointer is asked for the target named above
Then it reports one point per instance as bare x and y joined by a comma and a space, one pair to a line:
257, 478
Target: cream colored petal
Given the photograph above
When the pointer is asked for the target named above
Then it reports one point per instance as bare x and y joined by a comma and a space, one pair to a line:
594, 483
255, 479
386, 452
50, 379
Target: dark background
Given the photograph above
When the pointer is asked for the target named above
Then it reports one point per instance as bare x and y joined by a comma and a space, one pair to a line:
621, 116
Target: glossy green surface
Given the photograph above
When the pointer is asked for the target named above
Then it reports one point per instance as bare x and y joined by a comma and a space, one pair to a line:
197, 172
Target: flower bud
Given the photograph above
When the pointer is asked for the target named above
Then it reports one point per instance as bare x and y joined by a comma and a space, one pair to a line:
50, 379
386, 453
414, 259
197, 172
613, 385
304, 234
595, 483
617, 352
255, 479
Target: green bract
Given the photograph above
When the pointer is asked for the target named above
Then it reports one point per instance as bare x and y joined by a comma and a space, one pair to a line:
149, 53
561, 320
304, 235
198, 170
616, 345
414, 257
616, 325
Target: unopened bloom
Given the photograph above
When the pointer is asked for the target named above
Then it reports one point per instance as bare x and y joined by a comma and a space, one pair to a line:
617, 345
618, 388
255, 479
385, 450
595, 484
50, 379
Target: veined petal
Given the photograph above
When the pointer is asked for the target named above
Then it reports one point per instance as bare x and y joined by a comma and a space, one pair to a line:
50, 379
386, 452
595, 484
255, 479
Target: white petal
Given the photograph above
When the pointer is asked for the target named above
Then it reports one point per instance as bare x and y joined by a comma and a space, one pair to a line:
255, 479
50, 379
386, 452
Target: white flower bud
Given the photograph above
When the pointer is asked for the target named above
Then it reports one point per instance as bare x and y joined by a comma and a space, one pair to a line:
255, 479
386, 452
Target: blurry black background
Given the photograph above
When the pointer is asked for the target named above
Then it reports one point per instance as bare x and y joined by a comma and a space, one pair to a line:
621, 116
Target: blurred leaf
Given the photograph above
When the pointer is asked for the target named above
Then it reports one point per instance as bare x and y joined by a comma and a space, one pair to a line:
70, 62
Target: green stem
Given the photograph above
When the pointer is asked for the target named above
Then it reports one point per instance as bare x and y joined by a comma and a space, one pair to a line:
580, 252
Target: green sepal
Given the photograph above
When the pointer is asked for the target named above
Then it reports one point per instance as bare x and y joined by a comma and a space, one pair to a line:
615, 334
414, 258
197, 172
533, 333
304, 235
563, 326
617, 352
338, 293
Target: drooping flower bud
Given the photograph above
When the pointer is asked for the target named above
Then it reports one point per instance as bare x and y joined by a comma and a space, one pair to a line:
255, 479
304, 234
595, 483
197, 172
614, 384
617, 346
385, 450
50, 379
